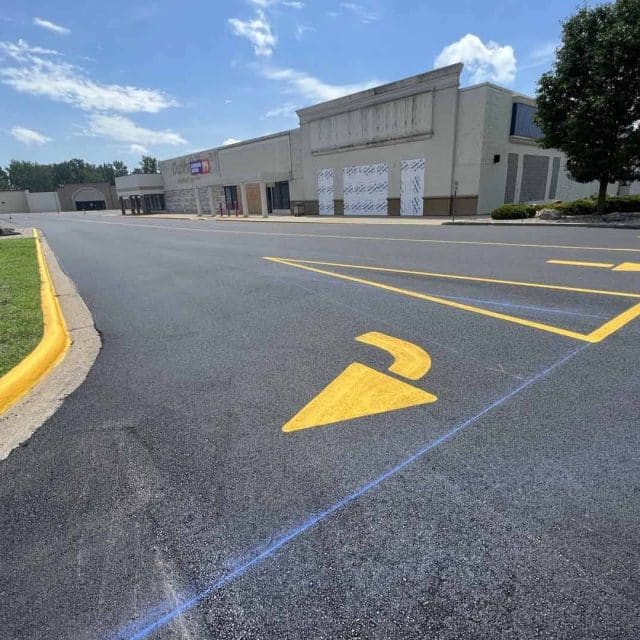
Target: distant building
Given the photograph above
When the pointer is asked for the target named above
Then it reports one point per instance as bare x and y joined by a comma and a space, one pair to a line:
87, 196
82, 196
141, 193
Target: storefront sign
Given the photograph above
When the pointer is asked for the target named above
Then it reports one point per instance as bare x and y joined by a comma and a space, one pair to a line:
200, 166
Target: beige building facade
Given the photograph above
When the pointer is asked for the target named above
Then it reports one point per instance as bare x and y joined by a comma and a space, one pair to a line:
416, 147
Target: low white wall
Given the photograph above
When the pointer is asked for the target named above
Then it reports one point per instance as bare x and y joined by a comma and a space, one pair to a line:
43, 201
14, 202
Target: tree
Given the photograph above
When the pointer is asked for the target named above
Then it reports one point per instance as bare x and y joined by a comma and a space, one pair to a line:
119, 169
148, 164
30, 175
106, 173
589, 103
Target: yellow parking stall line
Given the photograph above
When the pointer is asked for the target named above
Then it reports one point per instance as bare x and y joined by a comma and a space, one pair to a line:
599, 334
450, 276
448, 303
578, 263
614, 324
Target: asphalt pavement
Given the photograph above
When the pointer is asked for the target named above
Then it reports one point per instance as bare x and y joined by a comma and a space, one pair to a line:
163, 500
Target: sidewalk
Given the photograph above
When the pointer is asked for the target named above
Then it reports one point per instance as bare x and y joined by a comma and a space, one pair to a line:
534, 222
421, 221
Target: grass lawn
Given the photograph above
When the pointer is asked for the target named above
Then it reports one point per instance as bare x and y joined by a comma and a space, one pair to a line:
20, 312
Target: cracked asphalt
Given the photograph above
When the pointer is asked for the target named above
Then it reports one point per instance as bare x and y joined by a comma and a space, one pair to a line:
163, 500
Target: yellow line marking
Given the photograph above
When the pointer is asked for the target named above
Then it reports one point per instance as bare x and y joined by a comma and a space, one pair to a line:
595, 336
50, 350
577, 263
614, 324
347, 237
628, 266
410, 361
537, 285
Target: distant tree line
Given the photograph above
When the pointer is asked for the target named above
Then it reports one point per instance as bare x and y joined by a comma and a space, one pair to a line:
19, 175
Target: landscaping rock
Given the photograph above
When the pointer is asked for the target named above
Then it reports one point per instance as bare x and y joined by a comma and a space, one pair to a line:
549, 214
615, 217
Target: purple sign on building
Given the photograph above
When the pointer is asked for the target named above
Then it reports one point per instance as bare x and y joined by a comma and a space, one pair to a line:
200, 166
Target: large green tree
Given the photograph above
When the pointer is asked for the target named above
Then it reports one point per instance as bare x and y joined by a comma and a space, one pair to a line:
589, 103
30, 175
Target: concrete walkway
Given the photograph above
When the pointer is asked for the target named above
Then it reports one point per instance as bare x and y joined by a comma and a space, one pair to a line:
433, 220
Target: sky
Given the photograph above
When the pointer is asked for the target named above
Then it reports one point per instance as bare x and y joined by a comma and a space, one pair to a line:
115, 80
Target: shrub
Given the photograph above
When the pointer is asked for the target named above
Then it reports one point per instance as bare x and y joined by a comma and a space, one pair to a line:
514, 211
587, 206
623, 204
583, 207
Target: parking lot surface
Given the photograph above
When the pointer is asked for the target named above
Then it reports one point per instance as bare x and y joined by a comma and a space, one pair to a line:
335, 431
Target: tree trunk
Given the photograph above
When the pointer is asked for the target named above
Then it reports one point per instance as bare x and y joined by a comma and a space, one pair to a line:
602, 196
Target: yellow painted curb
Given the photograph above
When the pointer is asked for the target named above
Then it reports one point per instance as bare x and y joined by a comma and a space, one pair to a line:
50, 350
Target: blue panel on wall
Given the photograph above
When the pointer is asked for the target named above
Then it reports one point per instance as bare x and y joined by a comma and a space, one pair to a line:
522, 123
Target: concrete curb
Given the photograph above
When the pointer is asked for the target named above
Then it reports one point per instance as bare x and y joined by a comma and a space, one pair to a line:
56, 367
595, 225
50, 350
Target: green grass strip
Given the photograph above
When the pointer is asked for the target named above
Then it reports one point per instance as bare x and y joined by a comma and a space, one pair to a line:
21, 325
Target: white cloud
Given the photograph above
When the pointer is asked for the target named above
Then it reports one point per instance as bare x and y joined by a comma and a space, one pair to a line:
123, 129
312, 89
29, 136
138, 148
257, 31
227, 101
21, 50
301, 29
294, 4
63, 82
231, 141
489, 61
51, 26
287, 110
364, 13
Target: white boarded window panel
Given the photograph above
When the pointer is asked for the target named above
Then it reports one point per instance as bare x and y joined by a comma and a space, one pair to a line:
366, 188
325, 192
411, 187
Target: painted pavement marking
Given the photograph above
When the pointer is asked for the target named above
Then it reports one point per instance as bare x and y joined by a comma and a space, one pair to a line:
597, 335
624, 266
362, 391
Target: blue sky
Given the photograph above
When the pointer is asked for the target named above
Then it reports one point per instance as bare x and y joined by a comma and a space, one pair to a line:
105, 81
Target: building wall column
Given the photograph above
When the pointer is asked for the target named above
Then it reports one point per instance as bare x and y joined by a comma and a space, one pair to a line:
212, 206
198, 205
122, 209
264, 205
244, 200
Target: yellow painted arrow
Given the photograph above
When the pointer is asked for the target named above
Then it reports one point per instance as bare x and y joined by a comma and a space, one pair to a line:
358, 391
